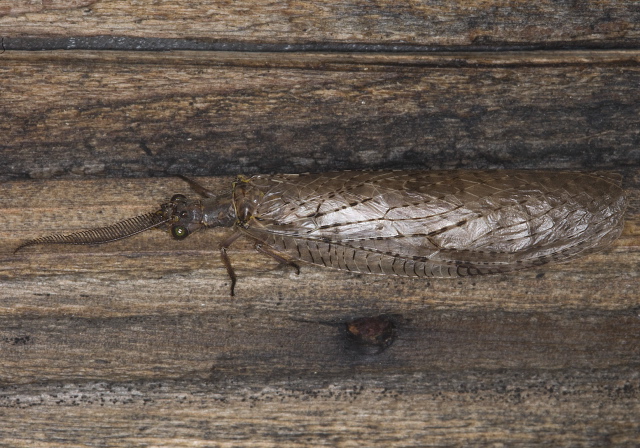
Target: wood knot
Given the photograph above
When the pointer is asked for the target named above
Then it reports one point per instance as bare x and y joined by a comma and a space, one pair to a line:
374, 334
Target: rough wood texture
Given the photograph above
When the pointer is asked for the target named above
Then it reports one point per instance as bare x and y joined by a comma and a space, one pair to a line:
466, 22
138, 343
143, 337
154, 114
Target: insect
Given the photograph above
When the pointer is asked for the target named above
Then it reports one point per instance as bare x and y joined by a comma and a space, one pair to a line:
402, 223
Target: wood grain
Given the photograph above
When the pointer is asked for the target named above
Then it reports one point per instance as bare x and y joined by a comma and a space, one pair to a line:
20, 7
461, 23
421, 409
145, 114
140, 341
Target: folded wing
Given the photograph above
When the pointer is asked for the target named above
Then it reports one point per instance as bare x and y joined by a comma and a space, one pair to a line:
436, 223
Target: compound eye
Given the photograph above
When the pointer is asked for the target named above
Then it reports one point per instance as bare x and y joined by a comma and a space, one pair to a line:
179, 232
178, 198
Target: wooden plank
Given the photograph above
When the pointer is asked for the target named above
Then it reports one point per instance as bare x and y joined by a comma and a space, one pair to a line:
118, 114
256, 341
469, 22
424, 409
138, 343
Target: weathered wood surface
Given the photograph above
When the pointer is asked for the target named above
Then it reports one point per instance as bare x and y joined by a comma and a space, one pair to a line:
139, 343
461, 23
155, 114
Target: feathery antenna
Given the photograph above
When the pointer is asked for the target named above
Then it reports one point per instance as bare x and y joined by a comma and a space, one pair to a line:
100, 235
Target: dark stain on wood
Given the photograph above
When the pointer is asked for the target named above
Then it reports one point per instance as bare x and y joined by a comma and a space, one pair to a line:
372, 334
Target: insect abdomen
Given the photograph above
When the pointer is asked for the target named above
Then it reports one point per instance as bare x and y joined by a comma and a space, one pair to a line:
364, 260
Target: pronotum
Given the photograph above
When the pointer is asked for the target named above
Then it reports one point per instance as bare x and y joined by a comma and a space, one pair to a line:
401, 223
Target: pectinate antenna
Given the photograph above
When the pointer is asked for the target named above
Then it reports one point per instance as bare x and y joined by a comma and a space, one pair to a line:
100, 235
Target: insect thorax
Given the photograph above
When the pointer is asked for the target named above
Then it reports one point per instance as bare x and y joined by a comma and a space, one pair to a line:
246, 198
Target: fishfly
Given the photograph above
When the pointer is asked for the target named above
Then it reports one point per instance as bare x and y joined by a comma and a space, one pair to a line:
401, 223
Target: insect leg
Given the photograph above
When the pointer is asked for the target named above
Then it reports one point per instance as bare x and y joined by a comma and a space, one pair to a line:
225, 258
195, 186
280, 257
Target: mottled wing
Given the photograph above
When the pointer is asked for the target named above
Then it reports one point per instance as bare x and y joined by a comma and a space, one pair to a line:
436, 223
